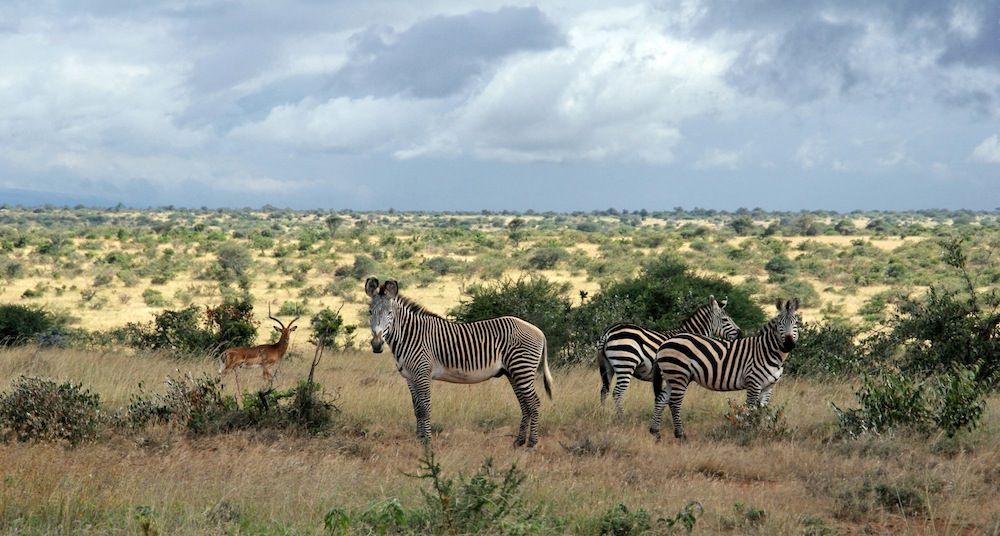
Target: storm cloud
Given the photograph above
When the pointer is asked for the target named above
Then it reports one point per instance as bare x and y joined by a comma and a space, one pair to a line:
561, 105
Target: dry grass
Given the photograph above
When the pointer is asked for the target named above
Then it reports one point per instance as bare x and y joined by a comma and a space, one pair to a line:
289, 483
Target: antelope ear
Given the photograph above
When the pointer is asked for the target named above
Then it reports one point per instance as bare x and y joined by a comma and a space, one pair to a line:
371, 285
294, 328
780, 305
276, 328
390, 288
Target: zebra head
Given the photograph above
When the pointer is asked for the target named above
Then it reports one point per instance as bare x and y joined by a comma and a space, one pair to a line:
380, 309
723, 326
786, 324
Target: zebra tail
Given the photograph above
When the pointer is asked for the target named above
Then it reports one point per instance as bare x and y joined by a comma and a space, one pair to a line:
657, 381
607, 371
546, 375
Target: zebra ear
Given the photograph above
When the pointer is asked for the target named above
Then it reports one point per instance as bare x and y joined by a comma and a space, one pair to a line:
780, 305
794, 304
371, 285
390, 288
724, 302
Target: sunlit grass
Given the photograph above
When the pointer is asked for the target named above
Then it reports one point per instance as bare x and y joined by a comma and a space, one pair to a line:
293, 481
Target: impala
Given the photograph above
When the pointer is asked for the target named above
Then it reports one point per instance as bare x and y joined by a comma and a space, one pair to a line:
262, 355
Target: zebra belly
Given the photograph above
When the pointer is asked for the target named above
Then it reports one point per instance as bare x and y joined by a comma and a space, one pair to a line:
439, 372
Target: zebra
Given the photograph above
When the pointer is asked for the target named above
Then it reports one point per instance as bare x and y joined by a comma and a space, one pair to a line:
627, 350
752, 363
428, 347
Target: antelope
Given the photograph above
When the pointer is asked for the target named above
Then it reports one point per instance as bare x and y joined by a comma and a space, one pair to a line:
262, 355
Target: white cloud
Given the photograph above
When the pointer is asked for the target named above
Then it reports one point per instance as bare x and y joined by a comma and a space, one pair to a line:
811, 152
988, 150
719, 158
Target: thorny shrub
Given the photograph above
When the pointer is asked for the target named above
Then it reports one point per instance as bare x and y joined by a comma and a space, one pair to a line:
39, 409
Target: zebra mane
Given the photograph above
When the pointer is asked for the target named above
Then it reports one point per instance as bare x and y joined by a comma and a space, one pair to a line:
415, 308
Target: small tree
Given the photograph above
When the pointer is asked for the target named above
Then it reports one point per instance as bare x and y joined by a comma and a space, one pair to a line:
326, 327
19, 324
234, 263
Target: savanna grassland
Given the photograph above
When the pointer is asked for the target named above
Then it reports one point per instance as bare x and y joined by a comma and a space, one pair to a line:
94, 271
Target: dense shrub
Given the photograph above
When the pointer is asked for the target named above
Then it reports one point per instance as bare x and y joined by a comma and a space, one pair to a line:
234, 263
363, 267
191, 332
825, 349
666, 292
20, 324
441, 265
199, 406
890, 399
39, 409
153, 298
779, 268
546, 258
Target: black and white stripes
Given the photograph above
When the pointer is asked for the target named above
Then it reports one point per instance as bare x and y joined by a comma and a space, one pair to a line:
428, 347
627, 350
753, 363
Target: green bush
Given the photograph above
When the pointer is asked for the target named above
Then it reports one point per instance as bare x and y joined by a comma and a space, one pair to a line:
153, 298
326, 326
779, 268
191, 332
441, 265
546, 258
825, 349
620, 521
20, 324
666, 292
199, 405
39, 409
888, 400
748, 424
488, 502
364, 266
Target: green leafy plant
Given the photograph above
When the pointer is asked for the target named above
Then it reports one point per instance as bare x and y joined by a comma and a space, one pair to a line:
39, 409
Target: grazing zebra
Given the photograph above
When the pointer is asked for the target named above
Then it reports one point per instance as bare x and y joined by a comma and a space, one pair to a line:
627, 350
752, 363
428, 347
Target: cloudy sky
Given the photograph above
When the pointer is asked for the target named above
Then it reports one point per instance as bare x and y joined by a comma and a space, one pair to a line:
562, 105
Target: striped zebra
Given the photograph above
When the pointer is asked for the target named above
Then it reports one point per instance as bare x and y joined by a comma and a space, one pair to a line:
428, 347
627, 350
752, 363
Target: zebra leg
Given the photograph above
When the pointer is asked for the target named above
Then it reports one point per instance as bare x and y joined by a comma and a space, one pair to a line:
420, 392
677, 391
622, 380
658, 404
765, 395
753, 396
524, 389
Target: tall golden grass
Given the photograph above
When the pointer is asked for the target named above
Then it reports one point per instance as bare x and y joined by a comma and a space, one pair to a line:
286, 484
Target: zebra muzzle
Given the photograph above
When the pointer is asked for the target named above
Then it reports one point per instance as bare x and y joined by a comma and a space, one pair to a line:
377, 346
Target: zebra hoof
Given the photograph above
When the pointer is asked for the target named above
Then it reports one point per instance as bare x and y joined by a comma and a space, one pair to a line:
519, 442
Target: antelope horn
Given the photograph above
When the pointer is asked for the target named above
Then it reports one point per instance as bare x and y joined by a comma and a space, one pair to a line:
293, 321
272, 318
